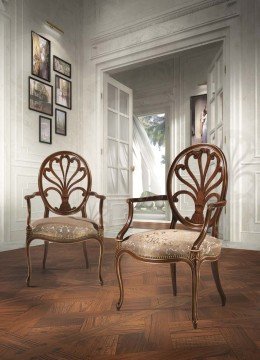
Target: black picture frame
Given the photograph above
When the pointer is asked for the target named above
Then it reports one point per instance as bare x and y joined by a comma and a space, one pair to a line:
61, 66
63, 92
45, 130
198, 111
40, 56
40, 96
60, 122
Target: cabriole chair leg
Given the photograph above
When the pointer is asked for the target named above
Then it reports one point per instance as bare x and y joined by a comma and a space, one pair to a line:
174, 278
195, 269
46, 247
29, 266
100, 261
120, 281
215, 273
84, 245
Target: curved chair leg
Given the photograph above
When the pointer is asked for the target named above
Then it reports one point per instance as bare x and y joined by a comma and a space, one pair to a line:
46, 247
174, 278
120, 280
100, 261
215, 273
195, 284
29, 265
84, 244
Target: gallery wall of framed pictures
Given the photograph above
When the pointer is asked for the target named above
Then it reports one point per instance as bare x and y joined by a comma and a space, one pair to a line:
40, 90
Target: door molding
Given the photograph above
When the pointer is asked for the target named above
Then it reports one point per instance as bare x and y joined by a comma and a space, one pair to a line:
5, 105
201, 36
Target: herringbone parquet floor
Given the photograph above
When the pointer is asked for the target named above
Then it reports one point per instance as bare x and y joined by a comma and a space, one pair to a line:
67, 315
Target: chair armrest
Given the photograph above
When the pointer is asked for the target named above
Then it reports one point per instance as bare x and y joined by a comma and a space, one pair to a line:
93, 193
211, 207
130, 202
101, 203
29, 197
147, 198
28, 200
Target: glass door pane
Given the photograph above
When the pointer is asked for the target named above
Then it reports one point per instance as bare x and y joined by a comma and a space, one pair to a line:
124, 103
112, 101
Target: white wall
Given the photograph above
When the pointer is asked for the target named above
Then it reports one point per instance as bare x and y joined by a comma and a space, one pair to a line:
118, 34
23, 151
117, 37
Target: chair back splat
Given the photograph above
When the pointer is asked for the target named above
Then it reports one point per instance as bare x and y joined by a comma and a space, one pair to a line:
200, 174
64, 175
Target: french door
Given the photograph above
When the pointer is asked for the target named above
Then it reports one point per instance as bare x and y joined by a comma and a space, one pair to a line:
118, 128
216, 81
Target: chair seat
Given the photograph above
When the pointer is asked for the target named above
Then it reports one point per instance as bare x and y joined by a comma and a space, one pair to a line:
63, 229
169, 244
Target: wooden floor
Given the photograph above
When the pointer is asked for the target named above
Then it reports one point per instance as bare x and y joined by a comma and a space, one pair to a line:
67, 315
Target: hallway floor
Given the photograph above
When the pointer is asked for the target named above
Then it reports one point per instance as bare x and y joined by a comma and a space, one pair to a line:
68, 315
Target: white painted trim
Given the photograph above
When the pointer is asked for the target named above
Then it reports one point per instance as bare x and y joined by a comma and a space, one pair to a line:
257, 77
5, 103
250, 163
250, 232
161, 18
221, 33
257, 198
150, 42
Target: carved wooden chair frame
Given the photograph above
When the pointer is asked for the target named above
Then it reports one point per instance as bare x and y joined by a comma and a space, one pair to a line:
64, 186
201, 193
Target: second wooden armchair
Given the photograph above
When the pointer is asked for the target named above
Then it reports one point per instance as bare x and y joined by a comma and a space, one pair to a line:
199, 173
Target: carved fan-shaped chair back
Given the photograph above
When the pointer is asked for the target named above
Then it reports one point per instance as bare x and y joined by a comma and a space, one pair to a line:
199, 174
64, 176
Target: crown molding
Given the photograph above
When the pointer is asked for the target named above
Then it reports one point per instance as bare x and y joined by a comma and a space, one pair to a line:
187, 10
112, 51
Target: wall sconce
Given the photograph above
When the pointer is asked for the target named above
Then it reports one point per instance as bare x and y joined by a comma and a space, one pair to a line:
54, 27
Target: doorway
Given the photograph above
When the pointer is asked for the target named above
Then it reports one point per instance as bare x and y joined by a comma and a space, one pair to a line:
149, 164
165, 85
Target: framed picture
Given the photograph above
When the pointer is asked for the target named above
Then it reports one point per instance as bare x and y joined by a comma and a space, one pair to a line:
45, 131
61, 66
60, 122
63, 92
40, 96
198, 107
41, 57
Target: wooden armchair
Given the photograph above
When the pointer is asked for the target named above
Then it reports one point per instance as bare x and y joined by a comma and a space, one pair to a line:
64, 176
199, 173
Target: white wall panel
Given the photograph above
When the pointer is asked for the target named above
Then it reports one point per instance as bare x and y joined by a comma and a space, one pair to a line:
249, 159
24, 153
5, 70
257, 197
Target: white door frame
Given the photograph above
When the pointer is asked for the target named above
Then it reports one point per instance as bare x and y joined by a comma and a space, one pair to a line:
105, 63
5, 105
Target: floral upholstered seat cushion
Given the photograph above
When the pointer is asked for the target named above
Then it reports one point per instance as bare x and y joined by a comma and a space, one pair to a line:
169, 244
63, 229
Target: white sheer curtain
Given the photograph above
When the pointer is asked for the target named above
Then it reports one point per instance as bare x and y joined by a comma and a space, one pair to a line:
145, 177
